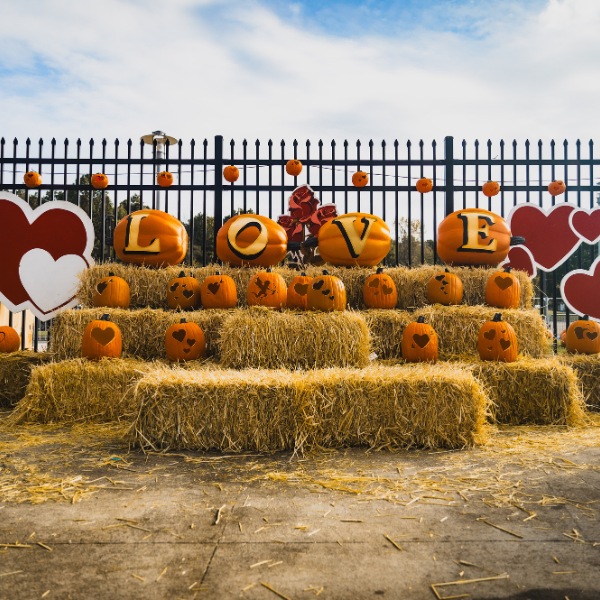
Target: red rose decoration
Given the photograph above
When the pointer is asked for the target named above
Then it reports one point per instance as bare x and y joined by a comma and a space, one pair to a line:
292, 227
326, 213
303, 203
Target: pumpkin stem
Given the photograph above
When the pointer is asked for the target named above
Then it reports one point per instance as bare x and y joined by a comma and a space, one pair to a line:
303, 274
379, 270
218, 273
585, 318
421, 319
507, 269
269, 270
325, 272
182, 321
182, 274
111, 274
105, 317
497, 318
447, 270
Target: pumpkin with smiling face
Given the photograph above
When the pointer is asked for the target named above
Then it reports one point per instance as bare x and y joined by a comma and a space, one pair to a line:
218, 291
99, 181
379, 290
326, 293
503, 290
267, 289
360, 179
111, 291
556, 188
32, 179
497, 341
419, 342
184, 341
183, 293
297, 294
445, 288
164, 179
101, 339
583, 337
9, 339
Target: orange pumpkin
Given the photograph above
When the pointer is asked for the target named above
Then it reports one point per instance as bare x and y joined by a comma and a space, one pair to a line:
9, 339
183, 292
419, 342
32, 179
424, 185
326, 293
490, 188
360, 179
379, 291
563, 338
473, 236
164, 179
354, 239
150, 237
556, 188
445, 288
583, 336
218, 291
503, 290
184, 341
297, 294
231, 173
99, 181
111, 291
251, 240
101, 339
293, 167
267, 289
497, 341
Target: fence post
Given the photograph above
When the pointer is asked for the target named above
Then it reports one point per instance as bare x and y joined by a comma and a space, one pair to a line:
218, 188
449, 173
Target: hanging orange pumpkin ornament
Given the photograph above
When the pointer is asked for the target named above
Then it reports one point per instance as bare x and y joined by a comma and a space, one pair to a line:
231, 173
112, 292
419, 342
99, 181
583, 336
556, 188
490, 188
360, 179
379, 290
9, 339
218, 291
424, 185
326, 293
164, 179
503, 290
445, 288
497, 341
184, 341
267, 289
32, 179
101, 339
293, 167
183, 293
297, 294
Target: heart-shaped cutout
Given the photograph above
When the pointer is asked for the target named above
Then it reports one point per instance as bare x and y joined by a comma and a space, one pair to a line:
581, 289
421, 340
579, 332
103, 336
374, 283
505, 344
2, 336
586, 224
101, 287
440, 277
503, 282
318, 284
386, 290
188, 293
179, 335
520, 259
326, 292
213, 288
490, 335
186, 350
174, 286
301, 289
592, 335
190, 343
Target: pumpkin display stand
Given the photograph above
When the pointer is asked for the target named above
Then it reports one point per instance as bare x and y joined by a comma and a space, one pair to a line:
15, 372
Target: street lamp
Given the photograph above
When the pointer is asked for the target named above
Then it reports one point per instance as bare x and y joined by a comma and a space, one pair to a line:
160, 137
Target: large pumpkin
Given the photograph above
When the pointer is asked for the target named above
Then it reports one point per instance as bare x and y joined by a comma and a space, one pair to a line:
183, 292
9, 339
473, 236
583, 336
503, 290
445, 288
111, 291
218, 291
379, 290
297, 294
32, 179
184, 341
497, 341
251, 240
101, 339
267, 289
150, 237
99, 181
419, 342
354, 239
326, 293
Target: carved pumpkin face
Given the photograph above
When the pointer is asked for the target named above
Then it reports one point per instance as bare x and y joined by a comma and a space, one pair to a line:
583, 337
556, 188
419, 342
218, 291
473, 236
497, 341
293, 167
491, 188
32, 179
267, 289
445, 288
354, 239
360, 179
297, 295
379, 291
503, 290
184, 341
111, 291
183, 293
231, 173
150, 237
251, 240
99, 181
101, 339
424, 185
326, 293
9, 339
164, 179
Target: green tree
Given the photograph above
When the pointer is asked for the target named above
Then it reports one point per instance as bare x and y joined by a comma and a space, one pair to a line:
415, 245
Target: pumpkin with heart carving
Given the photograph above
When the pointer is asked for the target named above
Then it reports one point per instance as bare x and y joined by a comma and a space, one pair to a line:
419, 342
267, 289
503, 290
9, 339
379, 290
184, 341
497, 341
99, 181
583, 336
326, 293
101, 339
183, 293
111, 291
445, 288
297, 294
218, 291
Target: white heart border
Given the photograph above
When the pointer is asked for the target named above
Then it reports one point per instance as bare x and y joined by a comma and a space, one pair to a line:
589, 214
576, 272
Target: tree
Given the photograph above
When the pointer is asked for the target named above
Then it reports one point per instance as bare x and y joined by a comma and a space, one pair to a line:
415, 245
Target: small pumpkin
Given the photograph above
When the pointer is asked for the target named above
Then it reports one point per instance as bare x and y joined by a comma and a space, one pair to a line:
218, 291
419, 342
183, 292
379, 290
267, 289
297, 294
101, 339
445, 288
556, 188
9, 339
32, 179
111, 291
497, 341
563, 338
164, 179
99, 181
293, 167
231, 173
424, 185
490, 188
360, 179
583, 336
503, 290
184, 341
326, 293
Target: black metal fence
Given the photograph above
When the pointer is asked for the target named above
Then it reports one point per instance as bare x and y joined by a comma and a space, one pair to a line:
202, 200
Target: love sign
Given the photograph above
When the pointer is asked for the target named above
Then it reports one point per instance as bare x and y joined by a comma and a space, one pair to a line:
41, 252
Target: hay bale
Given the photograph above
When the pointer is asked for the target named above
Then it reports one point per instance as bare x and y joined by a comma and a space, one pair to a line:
587, 369
15, 371
260, 337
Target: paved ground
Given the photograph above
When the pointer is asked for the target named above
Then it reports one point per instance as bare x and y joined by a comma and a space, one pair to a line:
338, 525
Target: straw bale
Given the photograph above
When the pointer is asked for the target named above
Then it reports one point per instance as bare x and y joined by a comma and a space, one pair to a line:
260, 337
587, 368
15, 371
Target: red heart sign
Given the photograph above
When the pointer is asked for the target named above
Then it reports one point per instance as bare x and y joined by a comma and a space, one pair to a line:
42, 251
548, 235
520, 258
581, 290
586, 224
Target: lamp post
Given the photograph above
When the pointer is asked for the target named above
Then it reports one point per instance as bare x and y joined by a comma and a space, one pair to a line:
160, 137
